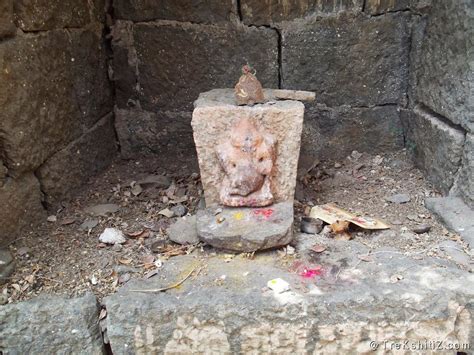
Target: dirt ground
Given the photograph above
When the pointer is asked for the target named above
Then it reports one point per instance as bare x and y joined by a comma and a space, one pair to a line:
63, 256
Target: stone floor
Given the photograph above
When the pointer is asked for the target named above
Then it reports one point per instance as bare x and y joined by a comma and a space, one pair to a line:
342, 297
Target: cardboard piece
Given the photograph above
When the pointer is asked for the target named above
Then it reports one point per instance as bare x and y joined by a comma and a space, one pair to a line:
330, 213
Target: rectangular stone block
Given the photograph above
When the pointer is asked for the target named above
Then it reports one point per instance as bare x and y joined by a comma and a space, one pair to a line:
42, 15
21, 200
166, 136
333, 133
54, 85
66, 171
465, 183
258, 12
436, 147
177, 62
213, 116
51, 325
445, 67
7, 27
210, 11
348, 60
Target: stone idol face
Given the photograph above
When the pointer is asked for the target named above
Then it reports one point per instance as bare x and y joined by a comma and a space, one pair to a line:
248, 155
247, 158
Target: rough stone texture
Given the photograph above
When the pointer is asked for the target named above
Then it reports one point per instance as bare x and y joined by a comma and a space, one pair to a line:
212, 118
246, 229
265, 12
7, 27
445, 69
455, 214
184, 231
51, 325
7, 265
177, 62
42, 15
336, 132
375, 7
66, 171
465, 182
336, 314
54, 85
143, 133
21, 201
326, 55
209, 11
435, 146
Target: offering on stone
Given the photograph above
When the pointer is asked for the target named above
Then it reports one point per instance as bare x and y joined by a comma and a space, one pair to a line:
248, 90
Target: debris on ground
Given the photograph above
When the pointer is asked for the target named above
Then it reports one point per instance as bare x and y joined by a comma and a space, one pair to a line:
330, 213
399, 198
112, 236
278, 285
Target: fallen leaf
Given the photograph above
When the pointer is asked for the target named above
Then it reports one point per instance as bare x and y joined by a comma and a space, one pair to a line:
30, 278
151, 273
167, 213
148, 259
68, 221
318, 248
125, 261
138, 234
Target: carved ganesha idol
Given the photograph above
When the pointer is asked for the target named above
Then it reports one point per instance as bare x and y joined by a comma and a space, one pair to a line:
247, 157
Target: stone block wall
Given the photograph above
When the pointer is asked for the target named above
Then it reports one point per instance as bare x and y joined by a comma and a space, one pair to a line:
56, 126
440, 121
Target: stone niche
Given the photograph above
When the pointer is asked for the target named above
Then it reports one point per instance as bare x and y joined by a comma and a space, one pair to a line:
216, 114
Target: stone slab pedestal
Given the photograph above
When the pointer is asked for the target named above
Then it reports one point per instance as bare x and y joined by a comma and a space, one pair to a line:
246, 229
214, 114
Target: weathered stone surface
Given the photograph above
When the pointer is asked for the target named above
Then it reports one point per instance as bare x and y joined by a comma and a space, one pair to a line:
41, 15
464, 185
336, 132
166, 135
435, 146
246, 229
210, 11
184, 231
66, 171
371, 54
7, 265
21, 201
455, 214
336, 314
51, 325
445, 69
177, 62
53, 85
7, 27
125, 65
212, 118
258, 12
376, 7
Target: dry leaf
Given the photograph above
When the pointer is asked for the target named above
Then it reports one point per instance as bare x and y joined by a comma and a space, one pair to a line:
148, 259
125, 261
30, 279
139, 234
151, 273
16, 287
318, 248
167, 213
340, 226
68, 221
